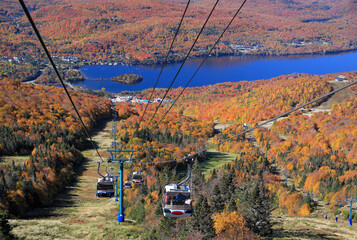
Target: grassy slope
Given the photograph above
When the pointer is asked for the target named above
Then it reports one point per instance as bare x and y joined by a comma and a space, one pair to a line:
76, 213
314, 226
215, 160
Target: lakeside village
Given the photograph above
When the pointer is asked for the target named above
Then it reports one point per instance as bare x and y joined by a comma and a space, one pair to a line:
237, 48
133, 99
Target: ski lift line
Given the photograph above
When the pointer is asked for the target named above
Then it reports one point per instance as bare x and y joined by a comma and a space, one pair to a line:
190, 156
187, 55
99, 162
165, 61
204, 60
57, 72
281, 115
188, 175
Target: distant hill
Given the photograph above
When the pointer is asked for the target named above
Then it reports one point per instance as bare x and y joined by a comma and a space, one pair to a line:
141, 31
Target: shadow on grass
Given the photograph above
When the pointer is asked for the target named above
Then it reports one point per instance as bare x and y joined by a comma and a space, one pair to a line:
87, 145
64, 202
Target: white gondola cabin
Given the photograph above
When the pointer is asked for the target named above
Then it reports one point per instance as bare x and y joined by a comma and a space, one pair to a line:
127, 185
105, 186
138, 178
176, 201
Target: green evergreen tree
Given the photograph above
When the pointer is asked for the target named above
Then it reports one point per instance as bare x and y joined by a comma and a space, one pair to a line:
5, 227
214, 174
197, 178
2, 185
165, 227
217, 201
143, 188
256, 208
228, 186
335, 185
158, 209
166, 176
231, 206
202, 218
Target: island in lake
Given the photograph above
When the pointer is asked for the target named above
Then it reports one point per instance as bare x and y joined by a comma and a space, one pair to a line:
129, 79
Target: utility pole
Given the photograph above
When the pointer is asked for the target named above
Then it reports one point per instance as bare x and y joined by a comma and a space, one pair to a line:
351, 200
312, 196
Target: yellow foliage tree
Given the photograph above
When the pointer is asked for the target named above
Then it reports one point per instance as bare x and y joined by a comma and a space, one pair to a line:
305, 210
231, 226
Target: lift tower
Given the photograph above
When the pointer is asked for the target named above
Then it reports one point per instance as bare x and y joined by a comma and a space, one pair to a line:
351, 200
119, 156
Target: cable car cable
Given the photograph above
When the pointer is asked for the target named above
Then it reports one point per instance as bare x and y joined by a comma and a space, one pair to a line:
165, 61
275, 118
259, 125
185, 59
204, 60
57, 72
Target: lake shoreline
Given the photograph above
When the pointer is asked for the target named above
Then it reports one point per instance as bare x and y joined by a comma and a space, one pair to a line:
219, 55
217, 70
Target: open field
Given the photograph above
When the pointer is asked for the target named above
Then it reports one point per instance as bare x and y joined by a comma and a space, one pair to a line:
7, 160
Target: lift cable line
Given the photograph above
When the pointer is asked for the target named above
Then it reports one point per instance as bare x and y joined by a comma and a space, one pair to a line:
165, 61
281, 115
204, 60
57, 72
260, 125
188, 53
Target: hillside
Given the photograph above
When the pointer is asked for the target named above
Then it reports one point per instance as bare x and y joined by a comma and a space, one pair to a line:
317, 155
276, 182
140, 32
39, 126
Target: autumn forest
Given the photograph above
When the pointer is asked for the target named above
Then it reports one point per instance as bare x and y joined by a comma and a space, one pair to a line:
301, 166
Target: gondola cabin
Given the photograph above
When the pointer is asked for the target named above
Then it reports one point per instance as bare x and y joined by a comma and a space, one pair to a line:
127, 185
105, 186
138, 178
176, 201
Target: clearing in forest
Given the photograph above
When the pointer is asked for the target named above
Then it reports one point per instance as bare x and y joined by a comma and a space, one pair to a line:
76, 213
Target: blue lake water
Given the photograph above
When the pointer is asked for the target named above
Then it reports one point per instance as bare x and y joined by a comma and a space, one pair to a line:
217, 70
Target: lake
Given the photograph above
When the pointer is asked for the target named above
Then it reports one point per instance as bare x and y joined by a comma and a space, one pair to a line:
217, 70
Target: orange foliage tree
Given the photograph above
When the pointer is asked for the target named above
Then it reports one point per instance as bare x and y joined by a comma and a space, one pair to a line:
231, 226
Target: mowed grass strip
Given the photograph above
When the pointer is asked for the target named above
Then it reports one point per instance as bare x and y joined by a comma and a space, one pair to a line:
215, 160
76, 213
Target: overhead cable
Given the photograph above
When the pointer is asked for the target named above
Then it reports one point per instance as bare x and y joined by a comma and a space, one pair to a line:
209, 52
262, 124
275, 118
57, 72
165, 61
187, 55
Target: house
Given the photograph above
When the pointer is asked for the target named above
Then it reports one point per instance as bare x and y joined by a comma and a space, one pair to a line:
341, 78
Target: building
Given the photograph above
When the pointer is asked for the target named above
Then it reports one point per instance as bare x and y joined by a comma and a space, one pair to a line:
341, 78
